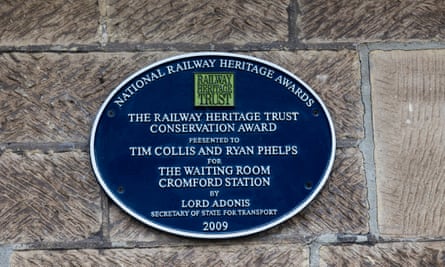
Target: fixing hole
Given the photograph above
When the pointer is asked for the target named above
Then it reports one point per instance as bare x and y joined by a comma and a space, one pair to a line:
120, 190
111, 113
308, 185
315, 112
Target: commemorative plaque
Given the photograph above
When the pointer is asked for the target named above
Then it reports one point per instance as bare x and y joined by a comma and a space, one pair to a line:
212, 145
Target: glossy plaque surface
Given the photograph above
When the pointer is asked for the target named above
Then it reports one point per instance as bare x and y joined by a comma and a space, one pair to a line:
212, 145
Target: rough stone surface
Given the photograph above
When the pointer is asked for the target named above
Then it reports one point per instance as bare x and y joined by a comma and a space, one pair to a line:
124, 228
361, 21
254, 255
54, 97
389, 254
408, 108
342, 204
57, 22
47, 197
335, 77
340, 207
237, 22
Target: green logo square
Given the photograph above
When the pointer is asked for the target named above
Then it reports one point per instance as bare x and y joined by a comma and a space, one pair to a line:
214, 89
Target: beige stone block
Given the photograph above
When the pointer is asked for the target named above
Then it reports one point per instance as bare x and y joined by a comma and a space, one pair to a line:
385, 255
360, 21
343, 206
335, 77
57, 22
340, 207
408, 101
49, 197
48, 97
246, 255
237, 22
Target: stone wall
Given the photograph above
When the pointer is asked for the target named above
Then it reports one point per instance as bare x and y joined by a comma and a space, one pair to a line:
378, 65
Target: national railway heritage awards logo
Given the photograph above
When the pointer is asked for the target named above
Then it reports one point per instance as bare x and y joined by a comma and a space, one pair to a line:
214, 90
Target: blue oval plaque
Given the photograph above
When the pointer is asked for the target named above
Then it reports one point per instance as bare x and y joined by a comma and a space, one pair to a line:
212, 145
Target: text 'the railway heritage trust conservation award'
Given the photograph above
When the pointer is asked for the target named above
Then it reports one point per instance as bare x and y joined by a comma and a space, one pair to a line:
212, 145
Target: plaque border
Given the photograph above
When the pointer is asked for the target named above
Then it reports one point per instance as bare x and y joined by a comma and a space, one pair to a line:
241, 233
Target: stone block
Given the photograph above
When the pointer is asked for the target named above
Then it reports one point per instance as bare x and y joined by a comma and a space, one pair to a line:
408, 100
49, 197
364, 21
237, 22
340, 207
48, 97
335, 77
385, 254
58, 22
247, 255
329, 74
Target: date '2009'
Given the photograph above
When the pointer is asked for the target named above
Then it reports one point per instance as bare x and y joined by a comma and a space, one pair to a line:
218, 226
